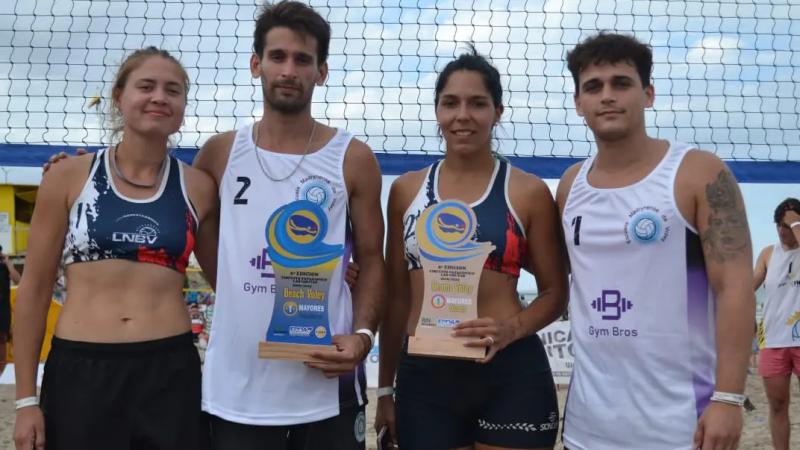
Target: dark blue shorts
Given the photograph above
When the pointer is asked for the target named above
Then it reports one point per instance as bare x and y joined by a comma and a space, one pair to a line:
447, 403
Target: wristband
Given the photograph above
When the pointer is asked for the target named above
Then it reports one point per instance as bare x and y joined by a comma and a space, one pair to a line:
367, 332
729, 398
25, 402
384, 391
794, 224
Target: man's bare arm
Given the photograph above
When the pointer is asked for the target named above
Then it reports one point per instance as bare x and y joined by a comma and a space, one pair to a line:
211, 159
760, 271
363, 178
722, 224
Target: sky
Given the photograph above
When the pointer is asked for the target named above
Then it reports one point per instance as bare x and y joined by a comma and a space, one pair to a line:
726, 75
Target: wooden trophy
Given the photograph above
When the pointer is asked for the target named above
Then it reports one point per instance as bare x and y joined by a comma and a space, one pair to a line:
451, 263
303, 266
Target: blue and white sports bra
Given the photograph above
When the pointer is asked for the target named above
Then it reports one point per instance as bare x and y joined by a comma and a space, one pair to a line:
104, 224
497, 221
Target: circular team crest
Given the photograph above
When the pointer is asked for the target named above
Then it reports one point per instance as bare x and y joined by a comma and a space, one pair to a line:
360, 427
320, 332
148, 232
646, 227
438, 301
318, 193
290, 308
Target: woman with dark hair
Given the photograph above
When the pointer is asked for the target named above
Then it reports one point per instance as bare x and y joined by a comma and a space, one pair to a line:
507, 399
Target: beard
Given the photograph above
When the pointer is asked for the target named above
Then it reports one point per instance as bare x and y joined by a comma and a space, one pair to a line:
287, 105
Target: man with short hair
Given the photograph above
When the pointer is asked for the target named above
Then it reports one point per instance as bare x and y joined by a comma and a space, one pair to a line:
777, 269
661, 300
285, 158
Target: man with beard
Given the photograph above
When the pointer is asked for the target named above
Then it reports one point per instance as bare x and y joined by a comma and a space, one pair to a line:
284, 158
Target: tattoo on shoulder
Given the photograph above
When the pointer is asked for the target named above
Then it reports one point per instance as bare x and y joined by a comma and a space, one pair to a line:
727, 236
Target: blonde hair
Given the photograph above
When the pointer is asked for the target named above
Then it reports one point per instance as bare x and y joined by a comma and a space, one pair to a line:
131, 63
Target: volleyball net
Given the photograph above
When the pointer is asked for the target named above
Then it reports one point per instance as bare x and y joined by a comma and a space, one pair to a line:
726, 73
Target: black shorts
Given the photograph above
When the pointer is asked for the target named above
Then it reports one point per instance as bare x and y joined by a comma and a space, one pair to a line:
5, 315
447, 403
141, 395
343, 432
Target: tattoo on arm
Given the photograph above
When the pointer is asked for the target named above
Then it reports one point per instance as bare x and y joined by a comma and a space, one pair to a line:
727, 236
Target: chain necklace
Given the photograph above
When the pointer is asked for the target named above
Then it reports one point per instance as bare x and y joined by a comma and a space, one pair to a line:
261, 164
122, 177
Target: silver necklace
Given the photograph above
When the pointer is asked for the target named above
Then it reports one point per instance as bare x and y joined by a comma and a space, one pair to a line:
261, 164
122, 177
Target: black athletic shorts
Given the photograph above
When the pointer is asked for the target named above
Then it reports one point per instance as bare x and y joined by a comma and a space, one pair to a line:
343, 432
5, 315
447, 403
128, 396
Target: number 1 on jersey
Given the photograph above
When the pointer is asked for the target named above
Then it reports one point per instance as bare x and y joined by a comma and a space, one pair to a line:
576, 225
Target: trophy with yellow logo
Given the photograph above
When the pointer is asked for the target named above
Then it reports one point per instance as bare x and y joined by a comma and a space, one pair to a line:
451, 264
303, 266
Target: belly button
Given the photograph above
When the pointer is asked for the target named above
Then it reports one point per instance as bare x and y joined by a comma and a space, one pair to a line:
126, 319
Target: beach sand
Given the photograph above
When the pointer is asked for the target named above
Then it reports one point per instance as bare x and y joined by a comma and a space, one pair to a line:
755, 436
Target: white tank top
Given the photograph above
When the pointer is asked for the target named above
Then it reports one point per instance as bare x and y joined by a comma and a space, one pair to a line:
642, 315
237, 385
780, 326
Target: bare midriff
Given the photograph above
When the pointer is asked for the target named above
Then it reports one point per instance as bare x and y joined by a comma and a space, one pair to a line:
113, 301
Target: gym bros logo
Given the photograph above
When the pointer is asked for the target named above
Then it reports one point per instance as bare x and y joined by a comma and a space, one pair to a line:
611, 305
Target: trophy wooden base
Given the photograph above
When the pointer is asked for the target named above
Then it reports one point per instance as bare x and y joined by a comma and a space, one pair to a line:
292, 352
443, 347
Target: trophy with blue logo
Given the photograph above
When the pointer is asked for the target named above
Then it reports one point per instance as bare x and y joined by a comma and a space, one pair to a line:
303, 266
452, 262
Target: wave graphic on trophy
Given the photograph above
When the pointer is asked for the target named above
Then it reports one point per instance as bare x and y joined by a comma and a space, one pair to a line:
303, 265
452, 262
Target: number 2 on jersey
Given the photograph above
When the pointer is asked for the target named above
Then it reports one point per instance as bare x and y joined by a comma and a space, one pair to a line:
238, 200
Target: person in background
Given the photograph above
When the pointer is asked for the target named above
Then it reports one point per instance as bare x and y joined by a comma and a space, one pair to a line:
778, 269
8, 275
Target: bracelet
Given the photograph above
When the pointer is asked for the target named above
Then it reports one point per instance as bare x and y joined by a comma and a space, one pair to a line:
25, 402
729, 398
384, 391
367, 332
794, 224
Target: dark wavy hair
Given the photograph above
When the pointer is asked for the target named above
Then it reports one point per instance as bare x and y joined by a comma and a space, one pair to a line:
610, 48
296, 16
790, 203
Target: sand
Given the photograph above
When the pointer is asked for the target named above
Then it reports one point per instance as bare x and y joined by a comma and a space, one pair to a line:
755, 435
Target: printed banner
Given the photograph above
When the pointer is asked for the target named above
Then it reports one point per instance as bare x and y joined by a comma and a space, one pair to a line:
557, 340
